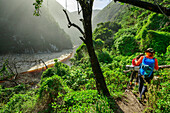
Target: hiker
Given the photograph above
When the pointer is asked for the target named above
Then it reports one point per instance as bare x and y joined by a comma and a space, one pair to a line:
134, 74
147, 64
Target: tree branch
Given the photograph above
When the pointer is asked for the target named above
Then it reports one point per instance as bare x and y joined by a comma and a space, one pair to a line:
72, 24
147, 6
43, 63
83, 39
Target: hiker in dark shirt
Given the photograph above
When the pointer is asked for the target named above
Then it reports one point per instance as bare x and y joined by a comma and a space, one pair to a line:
134, 74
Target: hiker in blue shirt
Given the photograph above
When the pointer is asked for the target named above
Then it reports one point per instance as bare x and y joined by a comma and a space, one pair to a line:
148, 63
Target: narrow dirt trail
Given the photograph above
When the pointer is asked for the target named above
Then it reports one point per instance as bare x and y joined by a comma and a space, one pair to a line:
129, 103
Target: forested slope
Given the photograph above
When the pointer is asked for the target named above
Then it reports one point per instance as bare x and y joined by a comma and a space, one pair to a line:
109, 13
21, 32
56, 11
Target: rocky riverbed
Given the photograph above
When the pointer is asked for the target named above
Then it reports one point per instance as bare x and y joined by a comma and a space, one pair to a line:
23, 62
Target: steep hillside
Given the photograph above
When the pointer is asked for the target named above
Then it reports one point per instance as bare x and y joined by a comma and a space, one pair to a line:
21, 32
57, 12
109, 13
139, 27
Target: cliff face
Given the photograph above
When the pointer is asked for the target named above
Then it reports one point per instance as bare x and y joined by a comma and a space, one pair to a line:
56, 11
21, 32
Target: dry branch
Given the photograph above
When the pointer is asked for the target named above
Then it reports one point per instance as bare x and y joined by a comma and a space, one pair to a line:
147, 6
70, 24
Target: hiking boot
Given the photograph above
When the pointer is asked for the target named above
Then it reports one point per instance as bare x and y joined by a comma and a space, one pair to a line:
145, 100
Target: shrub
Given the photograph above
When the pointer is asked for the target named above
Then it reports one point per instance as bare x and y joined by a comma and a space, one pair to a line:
51, 91
61, 69
103, 56
7, 93
48, 73
126, 45
20, 102
158, 40
87, 101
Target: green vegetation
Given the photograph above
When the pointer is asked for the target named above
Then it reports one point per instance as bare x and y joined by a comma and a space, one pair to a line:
73, 89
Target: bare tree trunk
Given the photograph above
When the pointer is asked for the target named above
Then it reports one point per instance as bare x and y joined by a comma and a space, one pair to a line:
87, 39
100, 81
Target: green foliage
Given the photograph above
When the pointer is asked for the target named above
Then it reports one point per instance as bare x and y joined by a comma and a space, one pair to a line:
87, 101
102, 33
105, 31
47, 73
126, 45
166, 28
51, 91
98, 44
80, 97
52, 86
61, 69
37, 5
159, 94
104, 56
80, 51
76, 79
157, 40
129, 31
124, 41
154, 22
168, 49
5, 71
20, 102
7, 93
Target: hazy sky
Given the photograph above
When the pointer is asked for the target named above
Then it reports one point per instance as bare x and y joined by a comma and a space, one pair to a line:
72, 4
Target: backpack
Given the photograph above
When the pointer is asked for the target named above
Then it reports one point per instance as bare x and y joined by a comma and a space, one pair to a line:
147, 66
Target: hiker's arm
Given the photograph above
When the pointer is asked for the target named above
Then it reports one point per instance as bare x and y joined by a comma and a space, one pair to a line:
139, 61
156, 64
133, 62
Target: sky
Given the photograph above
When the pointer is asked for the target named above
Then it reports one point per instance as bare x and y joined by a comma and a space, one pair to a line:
72, 4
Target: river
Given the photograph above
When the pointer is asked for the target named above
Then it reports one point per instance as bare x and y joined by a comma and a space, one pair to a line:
24, 62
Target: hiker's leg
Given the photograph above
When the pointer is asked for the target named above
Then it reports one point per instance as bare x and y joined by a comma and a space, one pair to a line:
136, 75
141, 86
131, 79
144, 89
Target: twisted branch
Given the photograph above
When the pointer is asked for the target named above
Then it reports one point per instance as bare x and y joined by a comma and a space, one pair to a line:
70, 24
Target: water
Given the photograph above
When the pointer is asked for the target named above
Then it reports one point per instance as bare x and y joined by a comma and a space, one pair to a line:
23, 62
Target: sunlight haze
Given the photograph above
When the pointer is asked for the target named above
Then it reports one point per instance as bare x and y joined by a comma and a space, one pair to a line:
72, 4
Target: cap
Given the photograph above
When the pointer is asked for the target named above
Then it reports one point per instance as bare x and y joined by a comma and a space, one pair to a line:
150, 50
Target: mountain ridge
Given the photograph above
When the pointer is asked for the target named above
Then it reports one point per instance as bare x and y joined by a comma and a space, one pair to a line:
21, 32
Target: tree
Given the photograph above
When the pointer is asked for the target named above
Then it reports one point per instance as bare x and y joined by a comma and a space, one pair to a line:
86, 6
148, 6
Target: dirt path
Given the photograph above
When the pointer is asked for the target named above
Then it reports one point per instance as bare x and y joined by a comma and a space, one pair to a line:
130, 104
